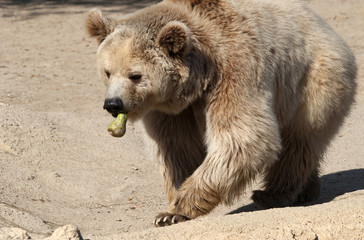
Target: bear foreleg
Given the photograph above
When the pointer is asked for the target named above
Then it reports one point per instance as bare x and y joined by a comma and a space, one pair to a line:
239, 145
179, 147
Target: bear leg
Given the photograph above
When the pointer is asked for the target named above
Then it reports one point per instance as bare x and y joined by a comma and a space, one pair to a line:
311, 190
178, 143
231, 161
272, 199
327, 95
294, 177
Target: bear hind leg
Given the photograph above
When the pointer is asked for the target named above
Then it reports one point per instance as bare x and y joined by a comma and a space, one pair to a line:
294, 178
327, 95
271, 199
311, 191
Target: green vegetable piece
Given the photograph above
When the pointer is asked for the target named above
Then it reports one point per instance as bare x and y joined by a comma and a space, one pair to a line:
118, 127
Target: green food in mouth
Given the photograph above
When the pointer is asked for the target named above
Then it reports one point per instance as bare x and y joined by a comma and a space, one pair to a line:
118, 127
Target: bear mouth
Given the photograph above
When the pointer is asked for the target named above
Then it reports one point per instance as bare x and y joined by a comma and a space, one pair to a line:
116, 114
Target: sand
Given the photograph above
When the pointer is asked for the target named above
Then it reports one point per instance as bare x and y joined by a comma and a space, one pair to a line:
59, 166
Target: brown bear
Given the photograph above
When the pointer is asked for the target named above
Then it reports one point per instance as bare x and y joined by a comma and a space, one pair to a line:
227, 90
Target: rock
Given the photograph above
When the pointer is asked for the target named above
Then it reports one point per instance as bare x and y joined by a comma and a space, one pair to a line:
67, 232
13, 233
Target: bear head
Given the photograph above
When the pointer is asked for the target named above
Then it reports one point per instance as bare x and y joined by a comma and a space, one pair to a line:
145, 62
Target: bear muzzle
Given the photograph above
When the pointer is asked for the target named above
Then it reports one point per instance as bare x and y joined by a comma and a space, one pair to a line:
114, 106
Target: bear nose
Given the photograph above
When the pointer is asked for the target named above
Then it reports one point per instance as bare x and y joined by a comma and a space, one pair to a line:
113, 106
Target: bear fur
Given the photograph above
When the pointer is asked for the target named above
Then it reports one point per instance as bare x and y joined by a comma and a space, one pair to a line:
227, 90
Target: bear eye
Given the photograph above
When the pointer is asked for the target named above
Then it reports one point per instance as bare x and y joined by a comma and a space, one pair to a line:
107, 73
135, 77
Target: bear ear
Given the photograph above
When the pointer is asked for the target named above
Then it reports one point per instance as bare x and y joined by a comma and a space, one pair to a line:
175, 39
99, 27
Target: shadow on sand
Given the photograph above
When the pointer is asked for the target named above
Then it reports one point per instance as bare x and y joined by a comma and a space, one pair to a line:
35, 8
29, 3
332, 186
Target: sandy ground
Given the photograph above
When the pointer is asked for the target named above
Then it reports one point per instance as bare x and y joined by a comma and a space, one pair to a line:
58, 164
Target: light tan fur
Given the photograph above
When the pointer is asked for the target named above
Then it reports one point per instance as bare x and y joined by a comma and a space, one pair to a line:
230, 89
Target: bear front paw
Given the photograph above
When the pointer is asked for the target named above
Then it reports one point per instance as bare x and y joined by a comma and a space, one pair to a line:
166, 219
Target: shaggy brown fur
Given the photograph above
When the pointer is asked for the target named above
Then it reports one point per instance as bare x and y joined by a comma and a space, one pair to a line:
229, 89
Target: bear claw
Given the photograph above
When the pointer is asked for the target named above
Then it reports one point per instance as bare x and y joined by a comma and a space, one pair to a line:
167, 219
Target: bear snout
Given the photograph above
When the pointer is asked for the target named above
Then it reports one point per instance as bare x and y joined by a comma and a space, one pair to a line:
114, 106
